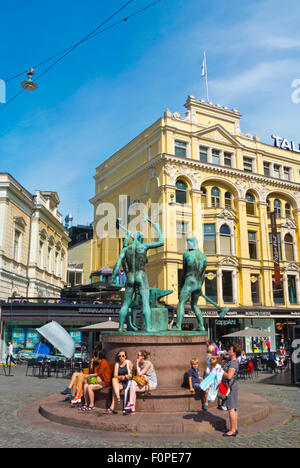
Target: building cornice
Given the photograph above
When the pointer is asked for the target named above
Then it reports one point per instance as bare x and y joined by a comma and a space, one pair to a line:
194, 164
232, 172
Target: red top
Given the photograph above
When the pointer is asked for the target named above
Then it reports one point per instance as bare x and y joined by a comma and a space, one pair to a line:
104, 372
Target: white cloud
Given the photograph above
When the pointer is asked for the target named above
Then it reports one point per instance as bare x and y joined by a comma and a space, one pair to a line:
274, 42
260, 78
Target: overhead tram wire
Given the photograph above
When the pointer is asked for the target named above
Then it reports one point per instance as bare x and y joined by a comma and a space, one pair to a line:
94, 33
69, 49
91, 35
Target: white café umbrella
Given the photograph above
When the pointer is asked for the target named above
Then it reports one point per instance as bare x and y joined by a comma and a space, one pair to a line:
250, 332
59, 338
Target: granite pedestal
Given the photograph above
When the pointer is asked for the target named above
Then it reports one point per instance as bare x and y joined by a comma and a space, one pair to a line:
170, 353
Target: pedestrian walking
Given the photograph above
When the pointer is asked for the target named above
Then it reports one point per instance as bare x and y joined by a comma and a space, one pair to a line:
9, 354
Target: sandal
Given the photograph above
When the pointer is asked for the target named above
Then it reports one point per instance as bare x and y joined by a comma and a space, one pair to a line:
84, 408
110, 411
90, 408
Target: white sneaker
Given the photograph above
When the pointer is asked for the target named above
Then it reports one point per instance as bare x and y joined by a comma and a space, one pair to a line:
223, 408
75, 401
129, 406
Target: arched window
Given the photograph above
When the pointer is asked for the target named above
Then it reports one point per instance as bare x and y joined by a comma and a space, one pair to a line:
225, 240
228, 200
250, 204
288, 212
289, 247
215, 197
277, 208
181, 190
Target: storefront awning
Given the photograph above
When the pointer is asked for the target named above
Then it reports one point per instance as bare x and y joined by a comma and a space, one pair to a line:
250, 332
102, 326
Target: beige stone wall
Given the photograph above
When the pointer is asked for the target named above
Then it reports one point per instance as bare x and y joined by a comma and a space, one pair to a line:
20, 211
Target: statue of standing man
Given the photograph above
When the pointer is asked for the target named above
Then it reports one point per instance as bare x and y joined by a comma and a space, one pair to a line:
135, 256
194, 268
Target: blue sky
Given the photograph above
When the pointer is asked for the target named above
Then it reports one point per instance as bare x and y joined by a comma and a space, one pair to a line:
112, 87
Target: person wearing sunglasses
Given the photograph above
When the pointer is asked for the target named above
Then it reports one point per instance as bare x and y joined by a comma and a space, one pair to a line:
121, 380
144, 370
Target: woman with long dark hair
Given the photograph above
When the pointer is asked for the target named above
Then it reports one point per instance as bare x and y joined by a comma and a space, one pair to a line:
121, 380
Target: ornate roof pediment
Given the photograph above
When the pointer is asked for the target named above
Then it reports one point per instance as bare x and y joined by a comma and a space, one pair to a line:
20, 222
218, 134
289, 224
226, 214
293, 266
228, 261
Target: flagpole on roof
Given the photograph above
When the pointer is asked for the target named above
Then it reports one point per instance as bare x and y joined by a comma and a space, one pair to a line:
204, 74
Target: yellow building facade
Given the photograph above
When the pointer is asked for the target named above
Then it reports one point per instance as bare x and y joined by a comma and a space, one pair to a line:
214, 182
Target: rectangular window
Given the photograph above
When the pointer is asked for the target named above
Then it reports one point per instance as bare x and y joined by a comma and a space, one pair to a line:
228, 159
56, 268
181, 228
180, 148
255, 289
78, 277
215, 156
17, 245
49, 262
276, 170
278, 294
203, 154
248, 167
227, 286
267, 169
252, 245
211, 287
286, 173
41, 255
209, 244
292, 289
71, 278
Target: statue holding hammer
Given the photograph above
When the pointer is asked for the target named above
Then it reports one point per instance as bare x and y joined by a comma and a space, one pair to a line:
134, 256
194, 267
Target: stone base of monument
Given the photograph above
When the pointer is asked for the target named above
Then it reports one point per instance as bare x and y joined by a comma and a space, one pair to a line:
256, 414
170, 353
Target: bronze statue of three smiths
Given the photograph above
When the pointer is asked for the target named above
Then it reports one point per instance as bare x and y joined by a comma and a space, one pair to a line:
133, 257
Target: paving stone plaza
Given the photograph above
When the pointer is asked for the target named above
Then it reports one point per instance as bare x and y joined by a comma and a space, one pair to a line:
23, 426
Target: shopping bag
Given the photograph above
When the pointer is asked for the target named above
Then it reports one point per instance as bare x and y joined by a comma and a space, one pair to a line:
224, 391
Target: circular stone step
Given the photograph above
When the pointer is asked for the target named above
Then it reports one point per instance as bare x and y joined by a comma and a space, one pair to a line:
252, 408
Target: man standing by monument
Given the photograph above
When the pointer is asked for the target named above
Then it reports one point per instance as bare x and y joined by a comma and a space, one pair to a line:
135, 256
194, 267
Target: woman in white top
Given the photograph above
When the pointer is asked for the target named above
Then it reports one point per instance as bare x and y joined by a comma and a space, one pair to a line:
144, 368
9, 354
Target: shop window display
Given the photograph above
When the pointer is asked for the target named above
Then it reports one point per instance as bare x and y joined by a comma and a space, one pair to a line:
256, 345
